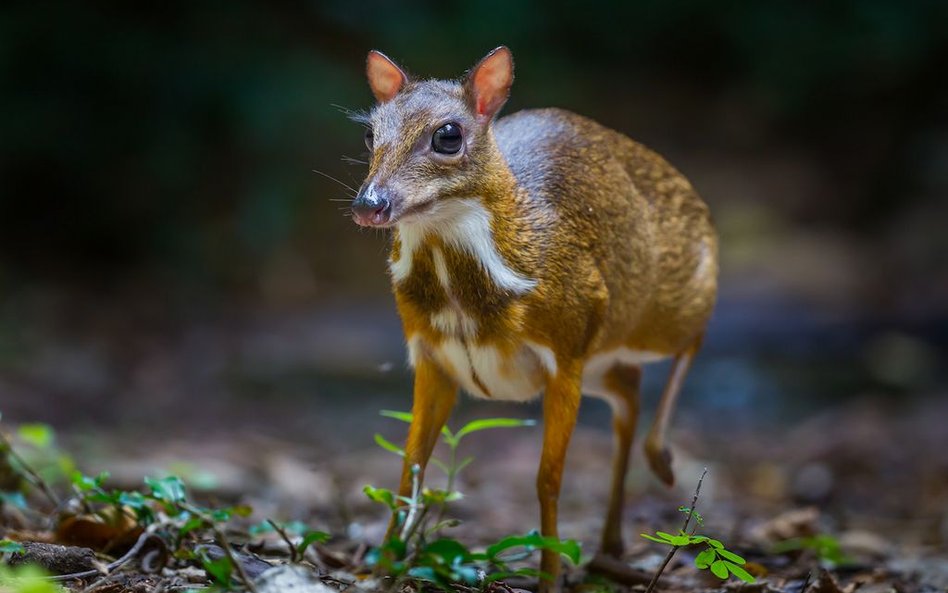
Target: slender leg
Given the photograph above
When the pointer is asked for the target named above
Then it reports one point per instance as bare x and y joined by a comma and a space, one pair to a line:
658, 455
434, 397
560, 407
623, 382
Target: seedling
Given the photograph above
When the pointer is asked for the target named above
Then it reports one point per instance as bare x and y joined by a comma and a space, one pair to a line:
715, 557
446, 561
826, 547
720, 561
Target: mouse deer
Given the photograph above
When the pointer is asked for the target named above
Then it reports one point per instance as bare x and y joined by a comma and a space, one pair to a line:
537, 253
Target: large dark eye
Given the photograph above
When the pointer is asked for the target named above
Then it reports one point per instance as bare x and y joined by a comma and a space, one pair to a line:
447, 139
369, 138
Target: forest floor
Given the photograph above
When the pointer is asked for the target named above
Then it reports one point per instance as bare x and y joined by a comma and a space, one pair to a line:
852, 499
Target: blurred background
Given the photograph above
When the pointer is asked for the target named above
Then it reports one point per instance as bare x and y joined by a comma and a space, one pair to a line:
172, 269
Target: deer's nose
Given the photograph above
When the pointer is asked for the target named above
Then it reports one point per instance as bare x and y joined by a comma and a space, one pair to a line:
372, 207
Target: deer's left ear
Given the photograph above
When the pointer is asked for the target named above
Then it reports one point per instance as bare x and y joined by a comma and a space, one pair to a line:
385, 77
489, 82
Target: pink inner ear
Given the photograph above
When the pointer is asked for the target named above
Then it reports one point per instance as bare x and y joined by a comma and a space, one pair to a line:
492, 82
385, 78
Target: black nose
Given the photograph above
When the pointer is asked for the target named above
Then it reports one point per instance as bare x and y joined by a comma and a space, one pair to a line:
372, 207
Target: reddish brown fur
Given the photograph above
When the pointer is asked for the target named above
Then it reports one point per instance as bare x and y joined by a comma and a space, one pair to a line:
619, 247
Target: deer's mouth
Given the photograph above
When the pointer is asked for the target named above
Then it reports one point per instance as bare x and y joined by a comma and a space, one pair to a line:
413, 212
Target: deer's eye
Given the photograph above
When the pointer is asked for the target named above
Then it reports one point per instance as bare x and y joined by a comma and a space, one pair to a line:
447, 139
369, 139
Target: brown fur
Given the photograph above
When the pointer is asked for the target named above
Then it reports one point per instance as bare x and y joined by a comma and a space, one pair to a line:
618, 245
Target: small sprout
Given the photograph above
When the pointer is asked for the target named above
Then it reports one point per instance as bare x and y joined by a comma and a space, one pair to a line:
381, 495
169, 490
699, 519
444, 561
10, 547
826, 547
715, 557
38, 435
310, 538
388, 445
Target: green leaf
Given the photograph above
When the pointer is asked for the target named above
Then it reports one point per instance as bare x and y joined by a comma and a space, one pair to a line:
486, 423
655, 539
569, 548
449, 437
403, 416
135, 500
10, 547
388, 445
310, 538
441, 465
190, 525
169, 490
430, 497
242, 510
381, 495
15, 499
464, 463
719, 569
448, 550
705, 558
675, 540
219, 570
715, 544
740, 572
86, 483
729, 555
694, 514
36, 434
425, 573
464, 574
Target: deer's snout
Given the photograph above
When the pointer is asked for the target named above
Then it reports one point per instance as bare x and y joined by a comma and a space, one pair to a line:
373, 206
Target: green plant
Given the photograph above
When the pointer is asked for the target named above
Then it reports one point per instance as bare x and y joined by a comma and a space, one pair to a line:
826, 547
412, 554
452, 467
26, 579
720, 561
715, 557
161, 508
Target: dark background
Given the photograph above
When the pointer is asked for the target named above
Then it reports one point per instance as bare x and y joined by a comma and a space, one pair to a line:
168, 257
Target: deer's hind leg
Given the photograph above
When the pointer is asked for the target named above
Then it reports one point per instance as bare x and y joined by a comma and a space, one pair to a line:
656, 451
620, 386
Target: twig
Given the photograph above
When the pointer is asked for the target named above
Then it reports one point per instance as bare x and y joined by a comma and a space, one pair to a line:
225, 544
134, 551
294, 555
684, 528
32, 475
806, 581
410, 519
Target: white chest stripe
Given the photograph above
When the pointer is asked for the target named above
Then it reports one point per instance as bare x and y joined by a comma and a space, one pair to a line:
410, 237
465, 225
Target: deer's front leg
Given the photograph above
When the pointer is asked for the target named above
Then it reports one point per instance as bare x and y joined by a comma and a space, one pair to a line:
434, 397
560, 407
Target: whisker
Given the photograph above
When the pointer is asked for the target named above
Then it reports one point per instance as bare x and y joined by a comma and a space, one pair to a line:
342, 183
352, 161
339, 199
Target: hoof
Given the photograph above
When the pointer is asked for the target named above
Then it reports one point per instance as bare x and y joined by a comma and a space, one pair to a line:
660, 461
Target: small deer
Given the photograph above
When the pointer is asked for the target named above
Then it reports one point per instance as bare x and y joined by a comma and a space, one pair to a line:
540, 252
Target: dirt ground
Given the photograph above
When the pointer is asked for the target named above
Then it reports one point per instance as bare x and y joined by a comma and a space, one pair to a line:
871, 474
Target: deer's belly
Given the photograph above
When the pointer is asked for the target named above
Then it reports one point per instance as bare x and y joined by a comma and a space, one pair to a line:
483, 370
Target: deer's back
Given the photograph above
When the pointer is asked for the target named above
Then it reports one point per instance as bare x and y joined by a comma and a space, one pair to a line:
622, 208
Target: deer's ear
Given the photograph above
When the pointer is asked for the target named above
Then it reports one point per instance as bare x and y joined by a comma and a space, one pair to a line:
385, 77
489, 82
